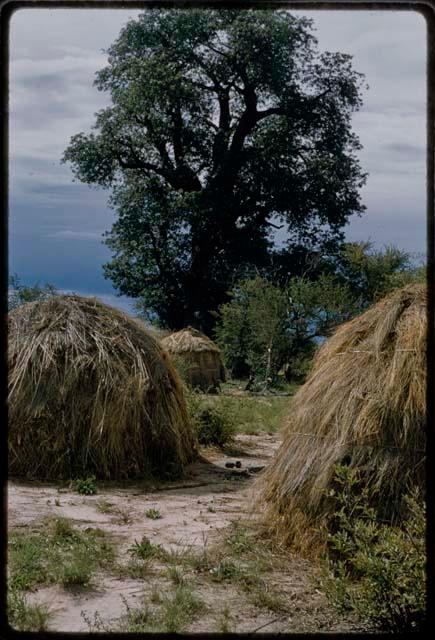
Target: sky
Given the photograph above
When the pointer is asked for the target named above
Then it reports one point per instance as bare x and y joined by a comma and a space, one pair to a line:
56, 224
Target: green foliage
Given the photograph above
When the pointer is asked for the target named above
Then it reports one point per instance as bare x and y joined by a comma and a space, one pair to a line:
266, 327
222, 124
20, 294
214, 422
375, 569
251, 329
85, 486
153, 514
270, 328
370, 274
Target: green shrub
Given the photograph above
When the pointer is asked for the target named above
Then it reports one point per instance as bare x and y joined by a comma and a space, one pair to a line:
86, 487
375, 569
214, 422
153, 514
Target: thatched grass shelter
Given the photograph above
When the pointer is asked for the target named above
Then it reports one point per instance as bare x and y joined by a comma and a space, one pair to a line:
90, 392
364, 405
198, 357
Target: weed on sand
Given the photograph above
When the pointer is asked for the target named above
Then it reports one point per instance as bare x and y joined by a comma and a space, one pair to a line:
242, 558
56, 552
26, 617
167, 612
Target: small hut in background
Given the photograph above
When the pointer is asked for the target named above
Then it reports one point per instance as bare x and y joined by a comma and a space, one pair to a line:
197, 356
91, 392
364, 405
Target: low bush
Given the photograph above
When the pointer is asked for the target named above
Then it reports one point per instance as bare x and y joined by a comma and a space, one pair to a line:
374, 569
85, 486
214, 422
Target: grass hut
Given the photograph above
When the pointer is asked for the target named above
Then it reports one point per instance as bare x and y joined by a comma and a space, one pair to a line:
198, 357
91, 392
364, 405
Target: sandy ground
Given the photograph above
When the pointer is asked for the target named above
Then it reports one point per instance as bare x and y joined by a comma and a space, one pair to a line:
193, 511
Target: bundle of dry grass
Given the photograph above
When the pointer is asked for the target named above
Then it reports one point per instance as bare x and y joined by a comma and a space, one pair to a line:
91, 392
198, 357
364, 406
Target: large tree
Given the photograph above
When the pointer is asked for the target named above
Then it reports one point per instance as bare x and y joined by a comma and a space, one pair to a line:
224, 125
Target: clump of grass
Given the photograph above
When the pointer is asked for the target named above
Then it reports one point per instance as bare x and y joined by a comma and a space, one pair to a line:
104, 506
62, 528
243, 558
180, 608
122, 516
85, 486
226, 570
153, 514
172, 613
146, 549
176, 575
77, 572
26, 617
136, 568
267, 597
156, 595
224, 622
56, 553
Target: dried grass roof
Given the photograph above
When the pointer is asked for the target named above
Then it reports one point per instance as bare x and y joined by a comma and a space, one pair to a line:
91, 390
188, 340
364, 404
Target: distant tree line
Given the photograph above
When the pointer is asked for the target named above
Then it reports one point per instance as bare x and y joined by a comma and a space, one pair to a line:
272, 327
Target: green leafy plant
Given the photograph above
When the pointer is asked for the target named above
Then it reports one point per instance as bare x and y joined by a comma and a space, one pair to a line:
373, 568
85, 486
153, 514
